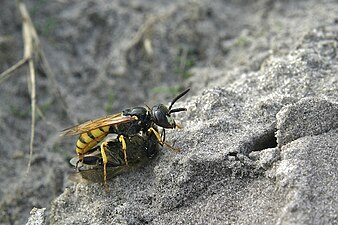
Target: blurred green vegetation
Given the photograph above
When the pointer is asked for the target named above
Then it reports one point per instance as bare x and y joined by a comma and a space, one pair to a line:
174, 90
108, 107
240, 41
184, 61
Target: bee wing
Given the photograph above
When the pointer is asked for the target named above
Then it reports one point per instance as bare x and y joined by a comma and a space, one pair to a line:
97, 123
96, 175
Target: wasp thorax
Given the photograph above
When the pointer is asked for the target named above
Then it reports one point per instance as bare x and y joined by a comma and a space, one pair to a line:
161, 116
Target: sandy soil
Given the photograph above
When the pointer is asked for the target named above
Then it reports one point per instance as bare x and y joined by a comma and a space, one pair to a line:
255, 70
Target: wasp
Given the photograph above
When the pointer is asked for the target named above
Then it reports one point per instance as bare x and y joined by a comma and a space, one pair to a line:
140, 149
129, 122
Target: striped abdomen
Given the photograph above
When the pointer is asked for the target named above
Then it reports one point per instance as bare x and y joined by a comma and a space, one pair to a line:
88, 140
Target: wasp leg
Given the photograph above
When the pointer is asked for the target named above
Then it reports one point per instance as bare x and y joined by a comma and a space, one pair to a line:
163, 134
105, 160
124, 148
161, 141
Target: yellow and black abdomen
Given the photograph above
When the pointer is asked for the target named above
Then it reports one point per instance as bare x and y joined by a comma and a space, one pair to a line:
89, 139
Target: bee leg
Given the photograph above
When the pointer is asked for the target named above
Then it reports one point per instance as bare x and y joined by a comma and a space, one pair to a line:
105, 160
80, 156
124, 148
179, 126
161, 141
77, 166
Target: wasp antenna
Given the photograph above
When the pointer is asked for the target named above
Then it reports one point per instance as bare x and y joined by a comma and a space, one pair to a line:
178, 97
147, 107
177, 110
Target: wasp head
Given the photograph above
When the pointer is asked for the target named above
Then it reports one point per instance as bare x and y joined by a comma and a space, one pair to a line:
162, 115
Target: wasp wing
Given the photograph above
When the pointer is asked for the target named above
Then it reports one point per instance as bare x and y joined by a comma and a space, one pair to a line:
97, 123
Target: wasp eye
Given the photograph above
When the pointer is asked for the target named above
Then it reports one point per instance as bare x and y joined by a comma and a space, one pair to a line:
161, 117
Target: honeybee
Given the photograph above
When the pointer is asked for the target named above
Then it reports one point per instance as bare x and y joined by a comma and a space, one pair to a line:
140, 149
